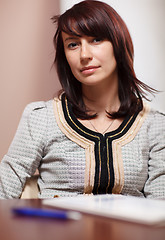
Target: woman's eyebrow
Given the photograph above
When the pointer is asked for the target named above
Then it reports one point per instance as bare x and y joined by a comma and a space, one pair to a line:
70, 38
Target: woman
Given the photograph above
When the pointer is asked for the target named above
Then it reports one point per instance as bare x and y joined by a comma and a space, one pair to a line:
98, 136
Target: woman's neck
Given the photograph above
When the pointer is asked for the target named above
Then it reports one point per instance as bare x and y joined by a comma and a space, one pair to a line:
99, 99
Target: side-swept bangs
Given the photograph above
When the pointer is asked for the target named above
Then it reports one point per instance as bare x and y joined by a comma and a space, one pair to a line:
85, 21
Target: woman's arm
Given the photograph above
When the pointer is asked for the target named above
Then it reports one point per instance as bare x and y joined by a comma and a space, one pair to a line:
25, 152
155, 185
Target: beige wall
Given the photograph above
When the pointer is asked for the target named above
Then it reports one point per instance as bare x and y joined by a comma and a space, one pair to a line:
26, 55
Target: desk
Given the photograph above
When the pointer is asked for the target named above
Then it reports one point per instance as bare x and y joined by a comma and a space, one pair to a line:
88, 228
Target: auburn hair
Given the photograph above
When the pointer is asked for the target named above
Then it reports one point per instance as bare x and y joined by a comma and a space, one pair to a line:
98, 19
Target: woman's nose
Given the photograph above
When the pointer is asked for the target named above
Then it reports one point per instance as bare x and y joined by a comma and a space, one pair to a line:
86, 53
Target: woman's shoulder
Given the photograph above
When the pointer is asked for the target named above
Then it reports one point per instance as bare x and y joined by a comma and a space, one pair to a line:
155, 113
155, 119
37, 107
35, 117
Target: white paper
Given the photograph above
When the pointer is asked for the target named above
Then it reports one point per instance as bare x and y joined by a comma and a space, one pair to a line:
128, 208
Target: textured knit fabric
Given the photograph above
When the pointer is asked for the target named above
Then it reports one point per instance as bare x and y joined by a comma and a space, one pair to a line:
62, 156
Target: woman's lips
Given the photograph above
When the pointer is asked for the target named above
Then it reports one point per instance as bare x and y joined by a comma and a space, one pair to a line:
89, 70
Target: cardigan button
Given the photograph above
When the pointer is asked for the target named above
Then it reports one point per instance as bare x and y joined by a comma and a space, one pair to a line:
56, 196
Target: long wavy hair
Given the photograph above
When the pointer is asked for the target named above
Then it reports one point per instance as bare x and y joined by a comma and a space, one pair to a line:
98, 19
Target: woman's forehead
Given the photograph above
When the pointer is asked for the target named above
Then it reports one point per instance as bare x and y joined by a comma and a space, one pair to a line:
68, 37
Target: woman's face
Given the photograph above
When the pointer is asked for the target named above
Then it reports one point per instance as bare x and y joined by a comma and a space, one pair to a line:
91, 59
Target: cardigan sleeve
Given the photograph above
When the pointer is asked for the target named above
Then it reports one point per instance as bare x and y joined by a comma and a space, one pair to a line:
155, 184
25, 152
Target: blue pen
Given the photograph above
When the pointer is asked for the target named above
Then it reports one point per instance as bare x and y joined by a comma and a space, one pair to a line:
46, 213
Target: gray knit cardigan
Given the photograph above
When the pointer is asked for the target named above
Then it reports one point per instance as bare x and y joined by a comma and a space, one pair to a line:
73, 160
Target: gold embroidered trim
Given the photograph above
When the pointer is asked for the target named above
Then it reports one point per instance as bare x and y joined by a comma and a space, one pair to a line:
112, 151
117, 151
94, 136
80, 140
89, 147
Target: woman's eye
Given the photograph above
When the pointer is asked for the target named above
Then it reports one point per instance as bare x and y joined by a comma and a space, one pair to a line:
97, 40
72, 45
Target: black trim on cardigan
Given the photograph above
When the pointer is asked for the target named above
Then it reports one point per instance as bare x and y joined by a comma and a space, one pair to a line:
102, 151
